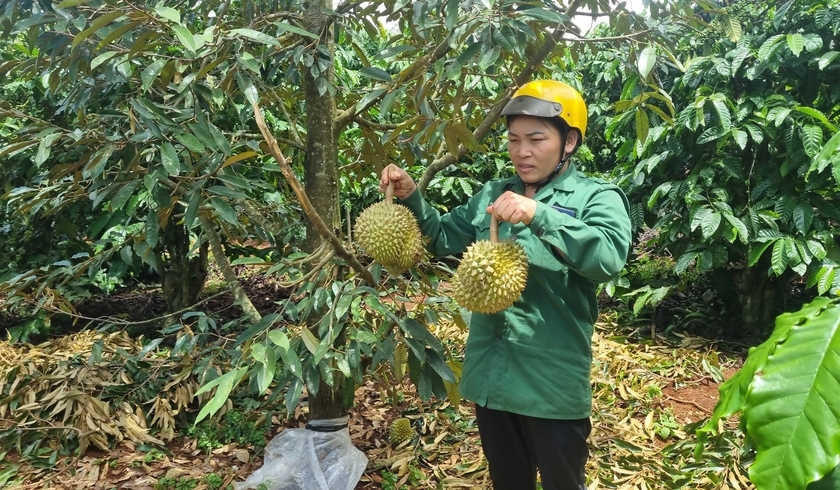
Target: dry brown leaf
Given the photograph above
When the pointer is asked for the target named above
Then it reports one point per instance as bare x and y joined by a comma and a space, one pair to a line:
242, 455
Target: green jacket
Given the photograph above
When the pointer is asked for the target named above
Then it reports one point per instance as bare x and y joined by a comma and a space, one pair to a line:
534, 358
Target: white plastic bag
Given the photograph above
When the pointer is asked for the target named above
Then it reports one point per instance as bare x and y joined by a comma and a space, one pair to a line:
319, 457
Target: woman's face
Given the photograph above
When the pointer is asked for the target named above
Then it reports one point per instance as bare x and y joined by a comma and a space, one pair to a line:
534, 146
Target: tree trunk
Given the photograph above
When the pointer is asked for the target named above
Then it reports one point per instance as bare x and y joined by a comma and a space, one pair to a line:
319, 166
321, 181
761, 299
182, 276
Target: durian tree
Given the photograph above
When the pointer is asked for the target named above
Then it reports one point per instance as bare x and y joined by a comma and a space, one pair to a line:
192, 127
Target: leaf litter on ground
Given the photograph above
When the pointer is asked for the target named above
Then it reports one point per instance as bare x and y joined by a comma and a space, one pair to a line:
648, 398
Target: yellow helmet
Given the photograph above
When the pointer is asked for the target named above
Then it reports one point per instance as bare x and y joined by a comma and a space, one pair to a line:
549, 98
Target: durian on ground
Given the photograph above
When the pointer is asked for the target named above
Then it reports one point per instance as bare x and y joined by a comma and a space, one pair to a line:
491, 275
389, 233
400, 431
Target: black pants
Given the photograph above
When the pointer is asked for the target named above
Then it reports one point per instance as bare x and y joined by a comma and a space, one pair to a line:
516, 445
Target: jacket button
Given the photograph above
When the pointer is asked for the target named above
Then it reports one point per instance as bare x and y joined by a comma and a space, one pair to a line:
498, 337
540, 231
514, 236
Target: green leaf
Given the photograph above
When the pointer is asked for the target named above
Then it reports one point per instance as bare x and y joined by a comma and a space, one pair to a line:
265, 373
152, 229
733, 392
710, 134
488, 57
258, 352
803, 216
796, 43
825, 279
434, 360
286, 27
257, 36
755, 131
366, 337
779, 258
225, 384
98, 23
44, 148
740, 227
812, 139
757, 251
731, 27
819, 116
185, 36
710, 224
102, 58
813, 42
169, 158
247, 88
827, 152
279, 338
792, 408
419, 332
190, 142
150, 73
370, 97
376, 73
226, 212
193, 205
646, 62
723, 113
740, 137
451, 14
544, 15
122, 195
642, 125
169, 13
827, 58
769, 47
309, 340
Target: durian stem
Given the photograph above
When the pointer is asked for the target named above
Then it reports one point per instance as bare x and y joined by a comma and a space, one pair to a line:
494, 229
389, 192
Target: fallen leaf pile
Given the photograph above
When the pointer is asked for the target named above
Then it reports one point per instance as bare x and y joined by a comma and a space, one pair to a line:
97, 389
642, 436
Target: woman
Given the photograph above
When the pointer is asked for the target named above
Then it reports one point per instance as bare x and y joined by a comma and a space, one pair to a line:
527, 367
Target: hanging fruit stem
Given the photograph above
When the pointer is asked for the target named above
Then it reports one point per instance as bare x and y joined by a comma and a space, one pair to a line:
494, 229
389, 192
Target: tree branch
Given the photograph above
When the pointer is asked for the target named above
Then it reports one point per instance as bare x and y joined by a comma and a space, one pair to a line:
233, 283
308, 209
407, 73
375, 125
590, 14
347, 6
581, 39
496, 111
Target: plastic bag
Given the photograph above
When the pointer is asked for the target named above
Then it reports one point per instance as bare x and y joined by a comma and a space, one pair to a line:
319, 457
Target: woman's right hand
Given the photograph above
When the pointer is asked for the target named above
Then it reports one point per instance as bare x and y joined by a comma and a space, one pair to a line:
404, 185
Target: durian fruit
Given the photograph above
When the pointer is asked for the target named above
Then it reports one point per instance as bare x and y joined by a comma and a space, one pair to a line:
389, 233
491, 275
400, 431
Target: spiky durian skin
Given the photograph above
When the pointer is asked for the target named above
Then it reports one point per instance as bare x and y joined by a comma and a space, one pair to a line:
491, 276
389, 233
400, 431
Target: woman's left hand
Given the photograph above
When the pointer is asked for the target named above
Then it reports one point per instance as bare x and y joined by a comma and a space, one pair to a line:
513, 208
